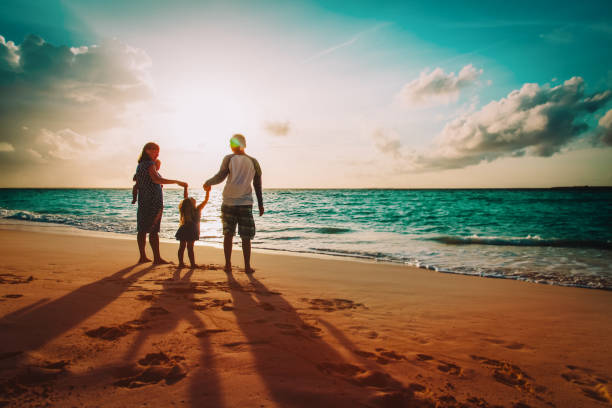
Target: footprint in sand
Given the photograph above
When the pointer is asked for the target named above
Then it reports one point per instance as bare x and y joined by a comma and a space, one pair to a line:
364, 332
592, 385
156, 311
224, 304
444, 366
511, 346
313, 330
510, 375
145, 297
114, 332
359, 376
12, 279
332, 305
305, 330
208, 332
158, 367
390, 392
450, 368
383, 357
238, 345
494, 341
29, 381
424, 357
515, 346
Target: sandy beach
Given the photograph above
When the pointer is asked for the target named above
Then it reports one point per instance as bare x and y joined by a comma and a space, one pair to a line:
82, 325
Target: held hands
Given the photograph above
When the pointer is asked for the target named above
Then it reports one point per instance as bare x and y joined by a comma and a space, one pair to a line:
206, 188
182, 184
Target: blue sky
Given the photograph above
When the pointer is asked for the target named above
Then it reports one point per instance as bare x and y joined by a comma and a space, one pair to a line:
377, 94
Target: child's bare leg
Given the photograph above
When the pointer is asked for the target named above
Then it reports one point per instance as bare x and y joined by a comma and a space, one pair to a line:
141, 238
227, 251
246, 252
190, 254
181, 252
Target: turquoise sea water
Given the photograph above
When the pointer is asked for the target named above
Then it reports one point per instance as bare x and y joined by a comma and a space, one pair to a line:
548, 236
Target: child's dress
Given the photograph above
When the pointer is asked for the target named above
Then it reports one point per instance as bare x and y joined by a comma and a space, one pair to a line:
190, 231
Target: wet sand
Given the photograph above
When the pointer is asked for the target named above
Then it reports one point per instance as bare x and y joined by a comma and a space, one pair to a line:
82, 325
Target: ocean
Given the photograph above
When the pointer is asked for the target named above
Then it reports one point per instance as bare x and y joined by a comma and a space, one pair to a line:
551, 236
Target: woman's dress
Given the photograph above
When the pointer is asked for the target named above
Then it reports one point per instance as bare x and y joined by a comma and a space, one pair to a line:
150, 199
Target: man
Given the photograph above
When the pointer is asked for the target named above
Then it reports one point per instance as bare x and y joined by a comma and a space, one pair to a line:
241, 170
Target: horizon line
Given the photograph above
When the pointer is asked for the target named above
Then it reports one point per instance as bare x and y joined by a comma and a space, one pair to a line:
339, 188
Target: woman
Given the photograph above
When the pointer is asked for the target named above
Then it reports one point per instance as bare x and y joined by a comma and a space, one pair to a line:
150, 202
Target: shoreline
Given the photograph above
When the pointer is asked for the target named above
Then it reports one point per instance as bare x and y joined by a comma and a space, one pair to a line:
26, 225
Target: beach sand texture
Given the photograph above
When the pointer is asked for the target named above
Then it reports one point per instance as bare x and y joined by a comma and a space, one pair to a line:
81, 325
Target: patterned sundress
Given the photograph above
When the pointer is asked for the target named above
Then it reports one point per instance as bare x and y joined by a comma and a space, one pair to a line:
150, 199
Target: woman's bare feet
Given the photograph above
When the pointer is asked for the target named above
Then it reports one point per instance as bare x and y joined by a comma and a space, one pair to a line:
249, 270
144, 260
181, 265
193, 266
227, 268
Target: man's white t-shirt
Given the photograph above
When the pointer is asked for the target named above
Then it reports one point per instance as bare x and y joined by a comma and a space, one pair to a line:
240, 170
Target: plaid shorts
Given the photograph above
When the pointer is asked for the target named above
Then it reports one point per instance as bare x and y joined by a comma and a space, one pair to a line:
241, 215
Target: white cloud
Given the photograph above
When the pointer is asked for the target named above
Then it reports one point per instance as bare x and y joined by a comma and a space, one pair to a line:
534, 120
54, 99
6, 147
605, 129
388, 142
278, 128
437, 87
65, 144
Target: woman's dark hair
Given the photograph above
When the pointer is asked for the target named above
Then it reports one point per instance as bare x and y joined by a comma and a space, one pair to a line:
144, 155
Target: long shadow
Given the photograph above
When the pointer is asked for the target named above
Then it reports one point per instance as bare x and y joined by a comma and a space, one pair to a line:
41, 322
291, 359
34, 326
204, 383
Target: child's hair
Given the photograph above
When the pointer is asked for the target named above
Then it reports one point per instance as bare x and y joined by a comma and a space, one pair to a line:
187, 209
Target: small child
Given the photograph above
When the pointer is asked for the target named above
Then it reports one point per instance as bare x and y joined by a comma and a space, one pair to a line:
135, 188
189, 231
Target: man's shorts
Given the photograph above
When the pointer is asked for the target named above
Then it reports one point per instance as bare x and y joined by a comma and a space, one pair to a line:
241, 215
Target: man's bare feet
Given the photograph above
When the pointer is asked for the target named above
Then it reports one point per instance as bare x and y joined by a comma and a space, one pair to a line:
249, 270
193, 266
181, 265
144, 260
160, 261
227, 268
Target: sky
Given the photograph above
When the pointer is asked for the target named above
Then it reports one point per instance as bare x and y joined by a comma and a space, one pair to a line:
329, 94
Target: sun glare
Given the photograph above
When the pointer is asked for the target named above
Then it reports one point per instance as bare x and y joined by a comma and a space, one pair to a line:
200, 114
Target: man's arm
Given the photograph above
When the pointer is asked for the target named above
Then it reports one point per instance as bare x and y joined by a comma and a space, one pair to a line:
257, 186
222, 174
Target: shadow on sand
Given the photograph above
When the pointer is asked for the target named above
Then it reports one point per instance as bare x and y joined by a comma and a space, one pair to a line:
297, 367
293, 360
